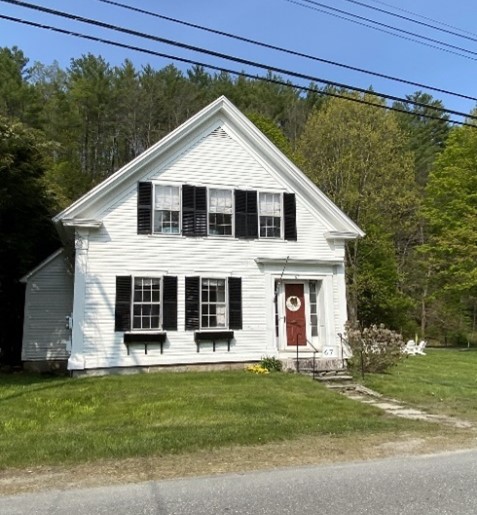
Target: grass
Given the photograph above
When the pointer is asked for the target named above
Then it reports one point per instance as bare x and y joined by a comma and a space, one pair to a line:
444, 381
48, 421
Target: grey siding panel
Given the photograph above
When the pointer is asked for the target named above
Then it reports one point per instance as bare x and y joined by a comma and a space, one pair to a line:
48, 301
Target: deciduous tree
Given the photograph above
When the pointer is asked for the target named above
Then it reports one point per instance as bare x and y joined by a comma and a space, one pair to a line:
357, 155
26, 232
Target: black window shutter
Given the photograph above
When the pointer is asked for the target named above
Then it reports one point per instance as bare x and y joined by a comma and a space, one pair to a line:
188, 210
192, 302
144, 208
289, 211
235, 303
194, 210
169, 302
246, 222
201, 211
122, 313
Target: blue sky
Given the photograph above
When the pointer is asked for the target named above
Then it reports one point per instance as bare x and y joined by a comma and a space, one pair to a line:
282, 23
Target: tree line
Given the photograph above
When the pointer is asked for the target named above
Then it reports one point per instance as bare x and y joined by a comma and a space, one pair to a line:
408, 181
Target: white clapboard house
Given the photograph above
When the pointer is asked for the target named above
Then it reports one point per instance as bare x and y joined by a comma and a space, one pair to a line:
211, 247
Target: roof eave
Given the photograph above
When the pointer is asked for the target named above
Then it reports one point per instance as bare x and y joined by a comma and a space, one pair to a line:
51, 257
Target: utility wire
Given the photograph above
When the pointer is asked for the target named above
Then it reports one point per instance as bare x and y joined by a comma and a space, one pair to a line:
363, 18
237, 73
240, 60
424, 17
285, 50
428, 25
367, 25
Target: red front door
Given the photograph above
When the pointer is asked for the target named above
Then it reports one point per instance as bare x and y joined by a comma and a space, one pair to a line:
295, 314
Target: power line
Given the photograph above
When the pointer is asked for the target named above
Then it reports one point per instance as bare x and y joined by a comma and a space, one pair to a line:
424, 17
285, 50
367, 25
240, 60
237, 73
428, 25
347, 13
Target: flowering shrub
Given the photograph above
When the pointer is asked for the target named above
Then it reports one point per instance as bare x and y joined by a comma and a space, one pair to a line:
375, 348
257, 369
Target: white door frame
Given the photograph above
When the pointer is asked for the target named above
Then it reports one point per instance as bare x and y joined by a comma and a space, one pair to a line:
281, 309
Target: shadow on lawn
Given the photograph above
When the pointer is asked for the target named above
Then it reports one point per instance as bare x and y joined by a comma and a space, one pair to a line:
30, 382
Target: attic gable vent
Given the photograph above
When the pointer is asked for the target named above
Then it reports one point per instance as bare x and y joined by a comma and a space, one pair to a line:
219, 133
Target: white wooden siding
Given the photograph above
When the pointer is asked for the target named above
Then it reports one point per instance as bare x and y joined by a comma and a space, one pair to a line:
48, 301
116, 249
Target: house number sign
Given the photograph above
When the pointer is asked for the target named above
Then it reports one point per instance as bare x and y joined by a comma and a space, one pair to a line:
293, 303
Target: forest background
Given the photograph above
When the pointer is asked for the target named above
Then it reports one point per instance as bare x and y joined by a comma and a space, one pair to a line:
408, 180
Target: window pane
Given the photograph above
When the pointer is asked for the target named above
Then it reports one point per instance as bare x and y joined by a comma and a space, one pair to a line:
166, 209
269, 227
220, 294
314, 325
221, 316
213, 294
220, 224
220, 201
166, 222
313, 308
167, 198
220, 212
270, 204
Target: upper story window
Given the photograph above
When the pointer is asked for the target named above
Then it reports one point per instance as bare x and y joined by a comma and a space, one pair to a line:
199, 211
220, 212
270, 215
167, 208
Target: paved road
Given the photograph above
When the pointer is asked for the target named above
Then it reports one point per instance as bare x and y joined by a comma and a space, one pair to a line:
438, 484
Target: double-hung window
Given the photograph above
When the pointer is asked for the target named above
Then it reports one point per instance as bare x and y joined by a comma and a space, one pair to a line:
167, 208
213, 303
146, 303
270, 214
220, 212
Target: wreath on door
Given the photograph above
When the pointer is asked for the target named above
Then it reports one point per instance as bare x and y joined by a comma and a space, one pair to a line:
293, 303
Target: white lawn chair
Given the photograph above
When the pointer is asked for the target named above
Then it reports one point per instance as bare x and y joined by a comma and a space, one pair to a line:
420, 348
410, 348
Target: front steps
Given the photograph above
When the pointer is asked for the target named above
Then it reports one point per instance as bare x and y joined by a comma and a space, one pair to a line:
327, 371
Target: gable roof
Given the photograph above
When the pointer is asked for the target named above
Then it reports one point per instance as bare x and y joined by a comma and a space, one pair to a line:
221, 111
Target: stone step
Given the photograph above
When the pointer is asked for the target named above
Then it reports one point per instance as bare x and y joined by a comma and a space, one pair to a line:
347, 387
334, 378
332, 373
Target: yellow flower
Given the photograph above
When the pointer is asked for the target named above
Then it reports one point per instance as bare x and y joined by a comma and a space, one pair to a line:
256, 369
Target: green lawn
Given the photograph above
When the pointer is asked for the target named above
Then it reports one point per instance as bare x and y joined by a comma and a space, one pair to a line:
46, 421
443, 381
